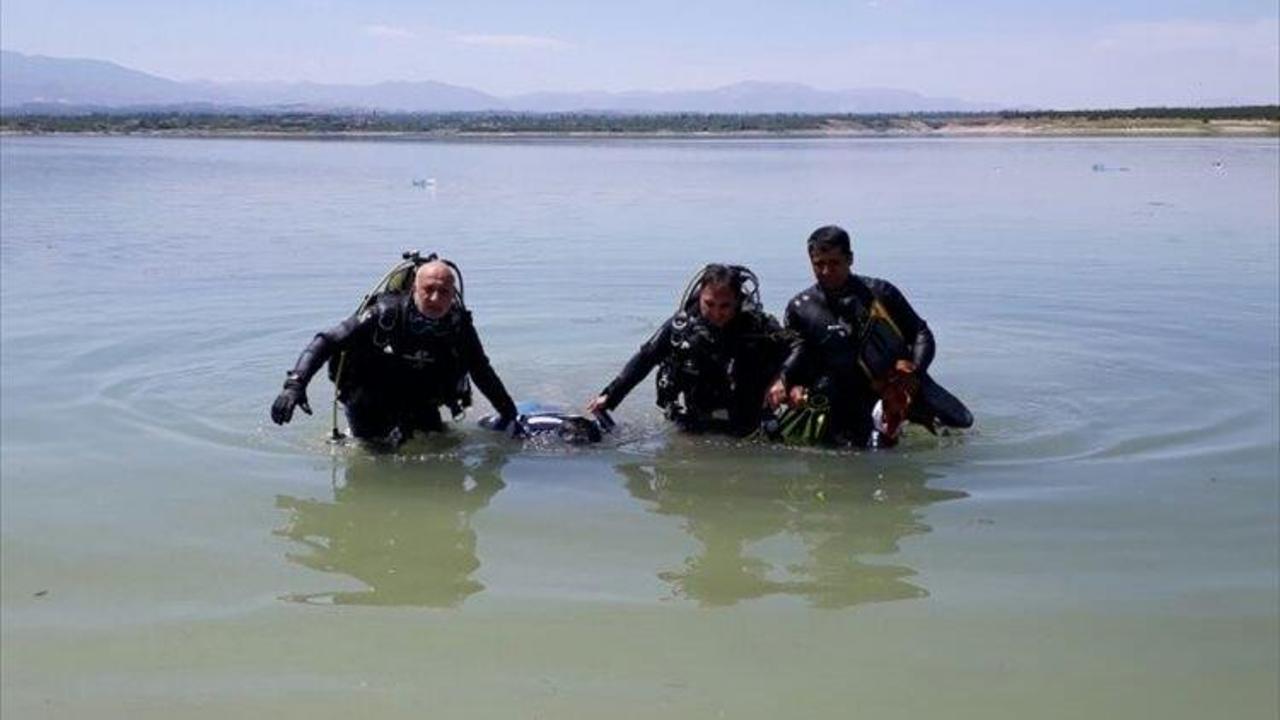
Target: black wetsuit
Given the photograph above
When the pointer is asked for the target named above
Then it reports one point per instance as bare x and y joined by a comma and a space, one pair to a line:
832, 355
399, 366
711, 379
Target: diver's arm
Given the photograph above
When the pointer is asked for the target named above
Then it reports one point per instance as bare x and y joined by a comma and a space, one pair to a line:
638, 367
757, 365
914, 329
922, 350
483, 374
326, 343
788, 386
796, 362
313, 357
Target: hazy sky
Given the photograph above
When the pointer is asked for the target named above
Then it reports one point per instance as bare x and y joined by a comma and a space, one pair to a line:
1050, 53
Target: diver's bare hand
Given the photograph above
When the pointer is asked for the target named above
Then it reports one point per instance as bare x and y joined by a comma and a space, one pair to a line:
599, 403
906, 367
776, 394
799, 396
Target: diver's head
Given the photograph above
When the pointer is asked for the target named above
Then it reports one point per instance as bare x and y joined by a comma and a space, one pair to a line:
434, 289
720, 295
830, 256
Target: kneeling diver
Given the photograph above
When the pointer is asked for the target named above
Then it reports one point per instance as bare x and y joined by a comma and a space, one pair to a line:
860, 353
716, 356
400, 357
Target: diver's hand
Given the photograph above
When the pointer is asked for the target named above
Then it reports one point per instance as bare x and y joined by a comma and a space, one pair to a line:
599, 403
777, 394
512, 425
516, 429
906, 367
799, 396
293, 395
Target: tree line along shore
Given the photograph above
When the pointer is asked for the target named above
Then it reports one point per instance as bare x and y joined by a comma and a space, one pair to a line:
1260, 120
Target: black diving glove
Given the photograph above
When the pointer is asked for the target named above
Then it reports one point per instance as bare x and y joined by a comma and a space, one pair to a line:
293, 395
512, 425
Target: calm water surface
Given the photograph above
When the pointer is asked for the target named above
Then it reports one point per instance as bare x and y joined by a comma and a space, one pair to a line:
1104, 543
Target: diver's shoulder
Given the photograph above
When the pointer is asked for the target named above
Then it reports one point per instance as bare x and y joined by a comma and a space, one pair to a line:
753, 321
809, 295
879, 286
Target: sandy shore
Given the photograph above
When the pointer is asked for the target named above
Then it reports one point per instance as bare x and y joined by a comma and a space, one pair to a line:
892, 128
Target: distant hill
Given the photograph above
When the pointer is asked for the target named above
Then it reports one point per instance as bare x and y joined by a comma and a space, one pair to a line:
424, 96
746, 97
37, 84
42, 84
34, 79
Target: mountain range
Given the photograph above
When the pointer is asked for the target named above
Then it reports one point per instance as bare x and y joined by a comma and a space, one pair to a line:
39, 84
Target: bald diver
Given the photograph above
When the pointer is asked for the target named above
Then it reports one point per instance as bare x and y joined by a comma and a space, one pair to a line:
410, 348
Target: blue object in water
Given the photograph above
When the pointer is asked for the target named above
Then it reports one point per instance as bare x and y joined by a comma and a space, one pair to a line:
537, 419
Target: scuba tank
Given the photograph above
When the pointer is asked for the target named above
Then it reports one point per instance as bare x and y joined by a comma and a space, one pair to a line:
749, 289
399, 279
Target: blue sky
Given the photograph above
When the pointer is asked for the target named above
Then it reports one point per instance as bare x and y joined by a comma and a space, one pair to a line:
1048, 53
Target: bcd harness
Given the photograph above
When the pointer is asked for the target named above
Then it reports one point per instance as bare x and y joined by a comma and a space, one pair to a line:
701, 363
430, 343
698, 367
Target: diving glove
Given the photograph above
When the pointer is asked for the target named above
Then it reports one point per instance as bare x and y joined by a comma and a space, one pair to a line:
512, 425
293, 395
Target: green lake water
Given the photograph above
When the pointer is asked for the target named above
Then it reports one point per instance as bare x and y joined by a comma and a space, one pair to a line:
1104, 543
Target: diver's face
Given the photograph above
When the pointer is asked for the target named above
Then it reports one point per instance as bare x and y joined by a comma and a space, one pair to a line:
830, 267
717, 304
433, 290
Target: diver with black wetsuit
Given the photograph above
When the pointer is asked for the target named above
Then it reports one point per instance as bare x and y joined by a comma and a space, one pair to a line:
715, 356
399, 359
853, 335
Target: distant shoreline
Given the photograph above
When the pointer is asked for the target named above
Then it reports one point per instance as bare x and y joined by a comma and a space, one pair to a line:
1188, 123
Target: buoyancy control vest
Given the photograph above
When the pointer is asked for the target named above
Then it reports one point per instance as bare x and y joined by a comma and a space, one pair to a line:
404, 352
708, 369
714, 369
698, 367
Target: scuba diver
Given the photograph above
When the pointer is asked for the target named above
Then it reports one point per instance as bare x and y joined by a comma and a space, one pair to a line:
410, 348
859, 355
715, 356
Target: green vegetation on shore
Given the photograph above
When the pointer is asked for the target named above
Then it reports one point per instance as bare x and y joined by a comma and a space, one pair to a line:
1252, 120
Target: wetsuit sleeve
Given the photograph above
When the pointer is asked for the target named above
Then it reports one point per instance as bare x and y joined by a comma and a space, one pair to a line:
326, 343
652, 352
756, 364
795, 365
776, 346
914, 329
483, 374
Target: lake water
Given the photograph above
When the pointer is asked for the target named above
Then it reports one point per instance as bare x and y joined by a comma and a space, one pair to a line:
1104, 543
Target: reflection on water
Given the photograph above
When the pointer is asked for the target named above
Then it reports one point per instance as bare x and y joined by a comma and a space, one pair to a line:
825, 518
819, 527
401, 526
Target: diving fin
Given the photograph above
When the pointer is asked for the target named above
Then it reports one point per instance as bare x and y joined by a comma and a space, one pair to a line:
936, 406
